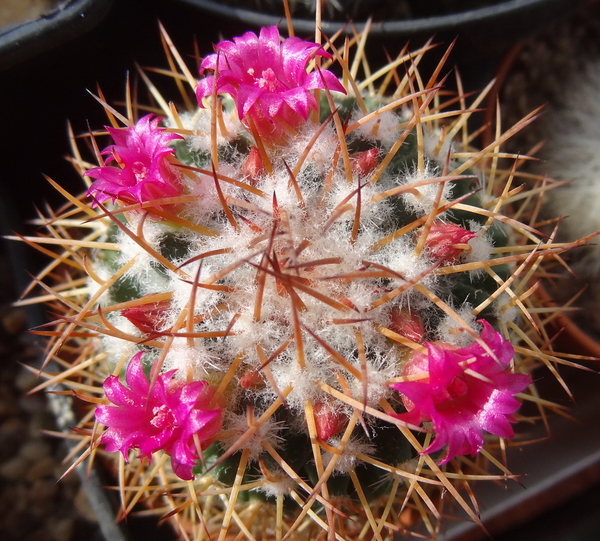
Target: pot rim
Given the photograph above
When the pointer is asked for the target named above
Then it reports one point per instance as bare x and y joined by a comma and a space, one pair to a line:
404, 27
60, 23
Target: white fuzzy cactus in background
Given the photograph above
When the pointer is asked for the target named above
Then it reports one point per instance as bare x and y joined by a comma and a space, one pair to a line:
570, 129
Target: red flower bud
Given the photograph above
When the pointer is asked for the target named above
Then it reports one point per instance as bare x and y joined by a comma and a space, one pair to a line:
444, 240
251, 379
329, 420
364, 163
407, 324
147, 317
253, 167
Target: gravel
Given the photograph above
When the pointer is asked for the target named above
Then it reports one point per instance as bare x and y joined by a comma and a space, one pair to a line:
34, 505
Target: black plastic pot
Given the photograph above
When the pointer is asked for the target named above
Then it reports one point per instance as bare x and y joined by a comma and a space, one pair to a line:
59, 23
493, 27
484, 34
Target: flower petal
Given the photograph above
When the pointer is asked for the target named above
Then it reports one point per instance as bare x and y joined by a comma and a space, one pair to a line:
467, 391
170, 415
263, 73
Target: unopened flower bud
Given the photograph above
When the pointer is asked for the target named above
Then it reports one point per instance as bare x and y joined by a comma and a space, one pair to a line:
251, 379
253, 168
364, 163
407, 323
147, 317
329, 421
444, 241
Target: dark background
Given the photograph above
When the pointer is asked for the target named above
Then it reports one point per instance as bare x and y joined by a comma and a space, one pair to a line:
39, 95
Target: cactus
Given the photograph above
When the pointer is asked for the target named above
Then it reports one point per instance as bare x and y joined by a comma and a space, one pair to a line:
304, 307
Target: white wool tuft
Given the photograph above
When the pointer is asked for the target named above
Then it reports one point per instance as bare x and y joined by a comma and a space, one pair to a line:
190, 361
424, 189
143, 270
282, 486
506, 309
481, 247
440, 153
347, 459
378, 375
383, 129
235, 426
450, 331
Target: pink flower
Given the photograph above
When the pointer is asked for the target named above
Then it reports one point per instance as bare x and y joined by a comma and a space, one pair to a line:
267, 79
171, 416
143, 172
468, 390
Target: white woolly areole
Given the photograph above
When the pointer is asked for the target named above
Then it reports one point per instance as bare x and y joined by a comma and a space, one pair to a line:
280, 487
189, 361
319, 154
382, 129
481, 247
235, 426
440, 153
374, 384
347, 459
450, 331
143, 270
506, 309
303, 381
424, 189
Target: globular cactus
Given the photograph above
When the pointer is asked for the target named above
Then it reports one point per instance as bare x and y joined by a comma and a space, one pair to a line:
304, 308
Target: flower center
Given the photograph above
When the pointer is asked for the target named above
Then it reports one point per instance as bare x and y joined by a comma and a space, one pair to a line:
269, 81
139, 170
163, 417
456, 389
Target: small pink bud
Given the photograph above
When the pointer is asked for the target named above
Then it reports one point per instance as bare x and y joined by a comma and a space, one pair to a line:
444, 240
147, 317
364, 163
407, 323
253, 168
251, 379
329, 420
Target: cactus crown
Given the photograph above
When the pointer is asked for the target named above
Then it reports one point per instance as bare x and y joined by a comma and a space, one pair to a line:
306, 291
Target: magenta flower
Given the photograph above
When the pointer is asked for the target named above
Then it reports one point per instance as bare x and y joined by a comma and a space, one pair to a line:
469, 390
267, 79
171, 416
143, 172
